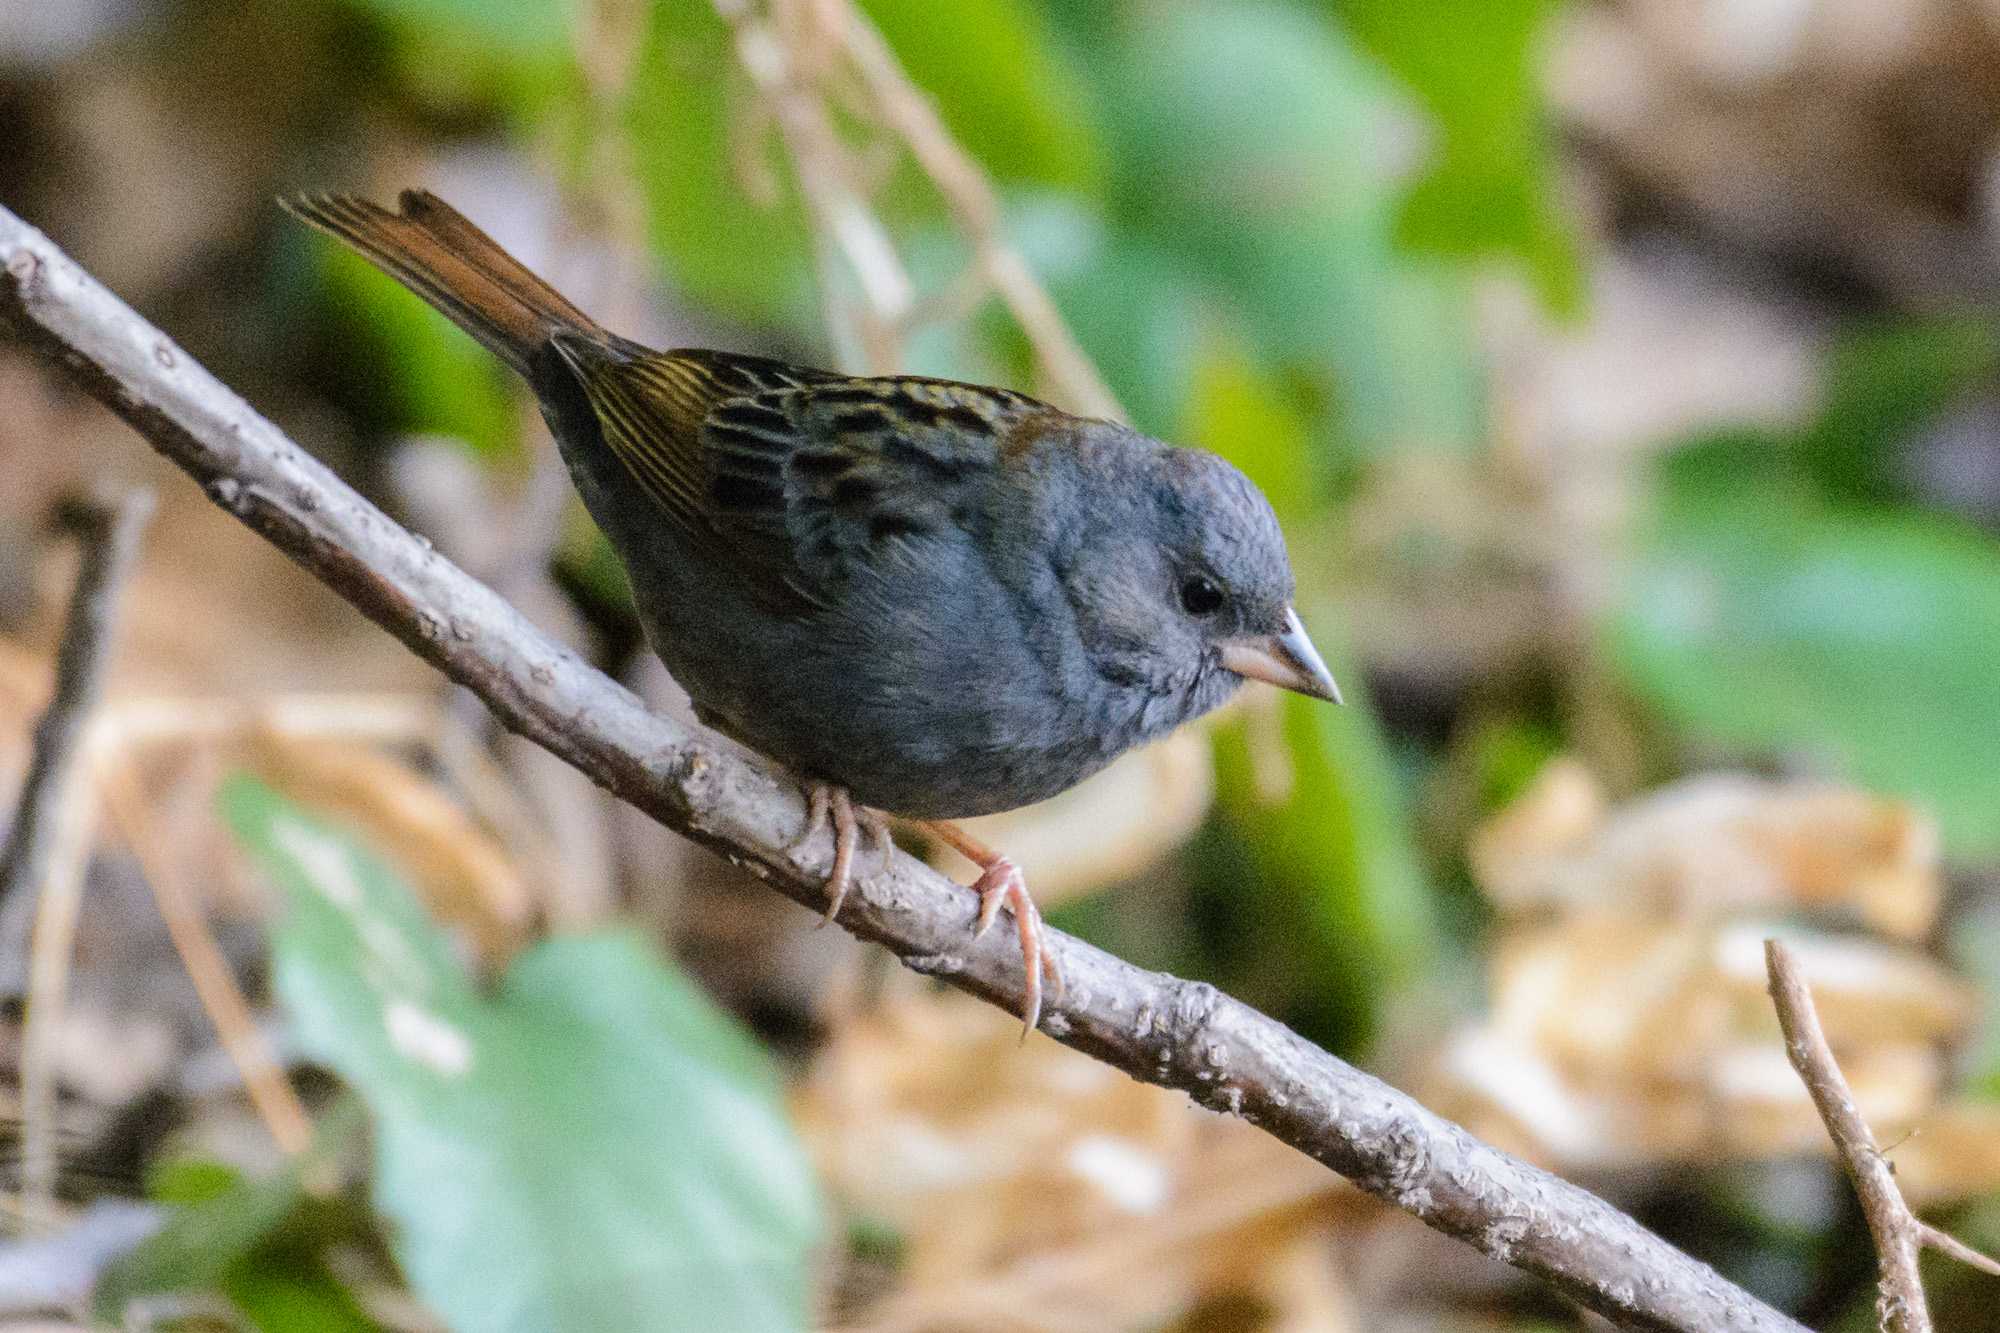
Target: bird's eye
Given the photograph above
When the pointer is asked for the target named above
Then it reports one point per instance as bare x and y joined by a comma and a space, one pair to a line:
1200, 596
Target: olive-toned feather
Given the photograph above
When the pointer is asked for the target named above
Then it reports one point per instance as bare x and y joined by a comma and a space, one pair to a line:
794, 476
438, 253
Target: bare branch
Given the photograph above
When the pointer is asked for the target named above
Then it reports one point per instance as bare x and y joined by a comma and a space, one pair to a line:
1898, 1234
1158, 1028
42, 867
109, 536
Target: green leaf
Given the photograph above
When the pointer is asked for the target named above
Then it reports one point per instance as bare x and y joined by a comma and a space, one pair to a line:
223, 1220
1140, 318
689, 115
593, 1146
1488, 188
1504, 755
440, 381
539, 27
1277, 192
514, 55
1003, 87
1759, 616
297, 1297
1334, 859
203, 1242
1239, 411
1883, 383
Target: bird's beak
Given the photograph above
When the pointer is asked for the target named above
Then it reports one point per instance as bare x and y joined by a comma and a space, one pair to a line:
1286, 659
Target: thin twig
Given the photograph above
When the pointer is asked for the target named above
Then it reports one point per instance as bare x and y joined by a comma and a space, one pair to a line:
966, 191
270, 1093
1155, 1027
1898, 1234
108, 535
839, 207
1946, 1243
42, 868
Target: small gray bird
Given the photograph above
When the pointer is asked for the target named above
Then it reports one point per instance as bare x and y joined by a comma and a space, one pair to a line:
929, 599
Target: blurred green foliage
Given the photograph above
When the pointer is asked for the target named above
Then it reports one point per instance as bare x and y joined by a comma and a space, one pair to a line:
258, 1242
591, 1146
1328, 858
1486, 190
1884, 382
1011, 96
1782, 600
447, 384
1257, 155
749, 258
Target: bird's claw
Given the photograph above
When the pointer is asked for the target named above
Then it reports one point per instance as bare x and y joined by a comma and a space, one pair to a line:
828, 804
1001, 884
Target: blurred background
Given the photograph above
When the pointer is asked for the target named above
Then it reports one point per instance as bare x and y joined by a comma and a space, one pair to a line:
1624, 372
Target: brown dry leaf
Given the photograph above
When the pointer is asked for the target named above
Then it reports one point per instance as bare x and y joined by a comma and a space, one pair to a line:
1711, 844
1037, 1189
465, 877
1749, 1103
1619, 1039
1110, 827
1951, 1155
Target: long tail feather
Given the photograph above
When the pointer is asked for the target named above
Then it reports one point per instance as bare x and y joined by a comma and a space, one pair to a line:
435, 251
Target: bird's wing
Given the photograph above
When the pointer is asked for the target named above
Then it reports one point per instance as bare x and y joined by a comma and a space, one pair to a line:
797, 477
652, 406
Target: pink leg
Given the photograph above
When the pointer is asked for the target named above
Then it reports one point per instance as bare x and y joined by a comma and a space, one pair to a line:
826, 803
1001, 884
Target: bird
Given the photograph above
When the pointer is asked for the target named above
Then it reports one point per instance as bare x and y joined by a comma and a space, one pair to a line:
927, 599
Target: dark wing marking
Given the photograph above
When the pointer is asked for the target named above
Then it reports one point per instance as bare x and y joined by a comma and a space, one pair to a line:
651, 406
797, 477
867, 462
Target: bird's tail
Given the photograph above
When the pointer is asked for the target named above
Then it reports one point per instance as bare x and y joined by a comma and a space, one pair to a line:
435, 251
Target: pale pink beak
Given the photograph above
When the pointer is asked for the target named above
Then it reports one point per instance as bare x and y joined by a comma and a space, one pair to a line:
1286, 659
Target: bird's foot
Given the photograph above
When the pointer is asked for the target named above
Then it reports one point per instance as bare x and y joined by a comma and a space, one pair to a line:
829, 804
1001, 884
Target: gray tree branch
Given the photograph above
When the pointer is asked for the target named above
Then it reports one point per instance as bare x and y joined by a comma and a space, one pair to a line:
1899, 1234
1161, 1029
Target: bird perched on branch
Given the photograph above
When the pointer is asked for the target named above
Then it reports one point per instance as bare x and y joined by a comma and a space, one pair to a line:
926, 598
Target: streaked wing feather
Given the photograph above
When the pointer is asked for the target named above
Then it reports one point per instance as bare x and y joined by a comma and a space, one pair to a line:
795, 476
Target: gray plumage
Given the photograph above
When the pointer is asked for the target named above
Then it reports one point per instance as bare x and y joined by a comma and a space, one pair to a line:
948, 599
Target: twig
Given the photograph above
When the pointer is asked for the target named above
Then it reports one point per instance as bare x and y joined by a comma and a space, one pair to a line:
838, 205
1158, 1028
108, 536
1946, 1243
970, 197
42, 868
838, 200
1898, 1234
272, 1096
